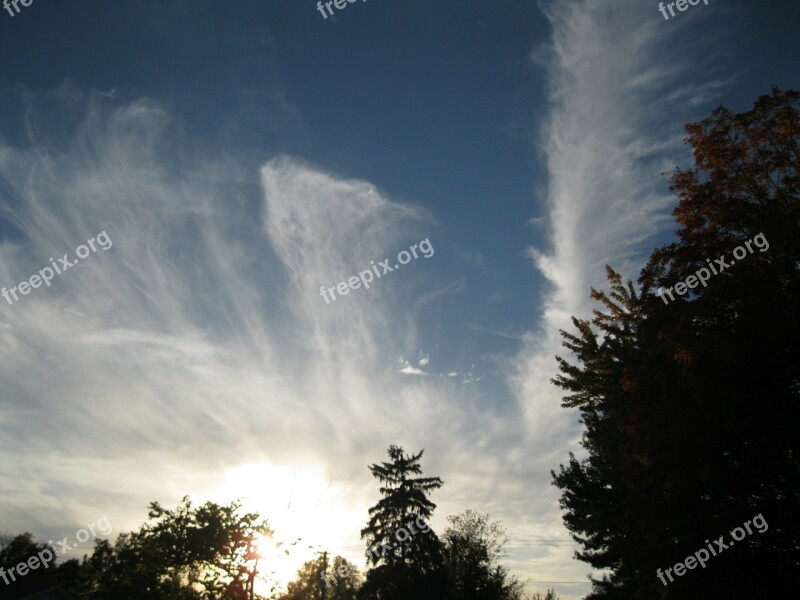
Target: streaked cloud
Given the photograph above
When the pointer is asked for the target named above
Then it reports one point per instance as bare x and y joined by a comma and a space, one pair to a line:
611, 129
198, 348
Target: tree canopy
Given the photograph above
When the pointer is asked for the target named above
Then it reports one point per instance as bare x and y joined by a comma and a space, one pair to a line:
407, 556
690, 407
474, 547
211, 551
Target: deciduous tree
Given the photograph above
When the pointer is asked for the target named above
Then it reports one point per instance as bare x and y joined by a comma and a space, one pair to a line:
691, 408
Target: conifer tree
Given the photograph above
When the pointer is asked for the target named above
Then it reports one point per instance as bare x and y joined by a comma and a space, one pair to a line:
407, 556
690, 406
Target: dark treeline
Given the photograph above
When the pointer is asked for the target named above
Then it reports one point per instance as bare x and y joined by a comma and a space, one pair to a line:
211, 552
690, 403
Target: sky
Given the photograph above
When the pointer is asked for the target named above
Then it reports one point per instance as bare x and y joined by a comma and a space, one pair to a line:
228, 160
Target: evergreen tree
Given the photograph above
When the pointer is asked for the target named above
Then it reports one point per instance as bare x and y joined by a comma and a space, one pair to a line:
690, 406
407, 556
597, 492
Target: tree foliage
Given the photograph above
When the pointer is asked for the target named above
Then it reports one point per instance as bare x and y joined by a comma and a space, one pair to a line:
474, 546
210, 552
19, 549
320, 580
550, 594
191, 553
415, 566
691, 408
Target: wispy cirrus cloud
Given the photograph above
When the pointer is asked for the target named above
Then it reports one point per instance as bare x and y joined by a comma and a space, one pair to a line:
198, 349
199, 344
613, 126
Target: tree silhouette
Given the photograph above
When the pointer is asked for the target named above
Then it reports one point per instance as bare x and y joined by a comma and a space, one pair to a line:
191, 553
319, 580
595, 508
407, 555
550, 594
19, 549
690, 407
473, 547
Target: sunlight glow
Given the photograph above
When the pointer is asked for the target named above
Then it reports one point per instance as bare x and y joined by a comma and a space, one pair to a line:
303, 507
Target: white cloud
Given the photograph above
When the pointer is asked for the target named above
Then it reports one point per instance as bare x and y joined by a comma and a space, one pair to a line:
611, 130
198, 343
406, 368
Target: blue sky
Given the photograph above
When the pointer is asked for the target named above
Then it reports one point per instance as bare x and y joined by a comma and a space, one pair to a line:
240, 155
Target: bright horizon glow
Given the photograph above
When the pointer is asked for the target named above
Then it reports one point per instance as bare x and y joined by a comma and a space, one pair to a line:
305, 511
